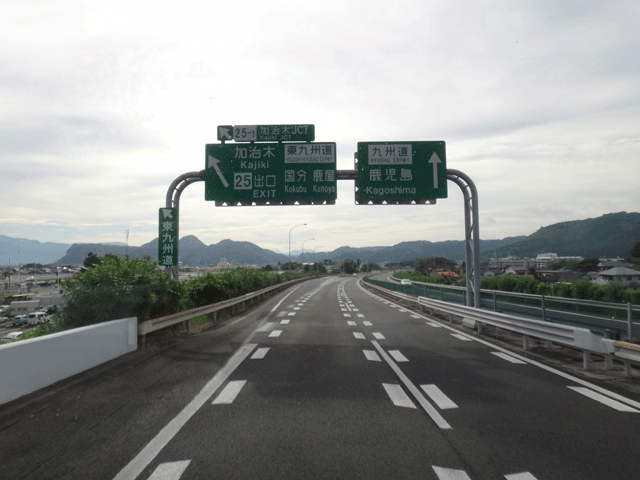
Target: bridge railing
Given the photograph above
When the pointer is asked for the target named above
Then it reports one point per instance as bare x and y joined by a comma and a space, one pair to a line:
577, 337
614, 320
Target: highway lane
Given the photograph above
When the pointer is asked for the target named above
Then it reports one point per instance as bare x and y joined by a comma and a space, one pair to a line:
346, 385
328, 380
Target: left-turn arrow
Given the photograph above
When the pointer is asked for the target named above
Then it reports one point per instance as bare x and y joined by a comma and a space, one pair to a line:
213, 162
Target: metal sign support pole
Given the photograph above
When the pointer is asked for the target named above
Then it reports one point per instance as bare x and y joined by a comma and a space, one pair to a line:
173, 201
471, 233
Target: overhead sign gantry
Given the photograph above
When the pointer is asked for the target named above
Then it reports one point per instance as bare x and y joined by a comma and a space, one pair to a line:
283, 165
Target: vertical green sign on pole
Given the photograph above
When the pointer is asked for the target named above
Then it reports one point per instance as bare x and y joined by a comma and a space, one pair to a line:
168, 237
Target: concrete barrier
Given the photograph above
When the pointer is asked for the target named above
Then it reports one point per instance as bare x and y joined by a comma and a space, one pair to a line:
29, 365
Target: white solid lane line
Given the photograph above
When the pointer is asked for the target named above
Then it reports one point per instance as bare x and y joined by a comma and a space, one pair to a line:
260, 353
398, 395
434, 325
170, 470
438, 397
508, 358
229, 393
398, 356
609, 402
275, 333
450, 474
371, 355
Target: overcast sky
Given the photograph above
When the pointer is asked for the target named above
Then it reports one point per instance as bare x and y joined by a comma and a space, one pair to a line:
104, 104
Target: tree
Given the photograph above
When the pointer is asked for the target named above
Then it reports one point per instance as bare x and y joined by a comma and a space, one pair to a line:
368, 267
118, 288
91, 260
349, 267
635, 251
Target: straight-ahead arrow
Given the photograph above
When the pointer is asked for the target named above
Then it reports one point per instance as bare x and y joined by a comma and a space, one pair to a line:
213, 162
435, 160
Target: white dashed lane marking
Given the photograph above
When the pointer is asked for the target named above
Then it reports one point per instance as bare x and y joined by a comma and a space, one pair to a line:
461, 337
439, 398
229, 393
260, 353
170, 470
398, 356
266, 327
372, 355
508, 358
398, 395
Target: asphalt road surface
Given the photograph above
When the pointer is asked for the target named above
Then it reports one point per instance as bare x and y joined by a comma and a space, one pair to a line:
325, 380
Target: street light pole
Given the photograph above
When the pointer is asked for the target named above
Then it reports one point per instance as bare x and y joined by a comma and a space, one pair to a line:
313, 256
300, 225
303, 246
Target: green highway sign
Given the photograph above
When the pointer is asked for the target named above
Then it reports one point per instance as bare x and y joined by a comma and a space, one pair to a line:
271, 173
401, 172
267, 133
328, 261
168, 237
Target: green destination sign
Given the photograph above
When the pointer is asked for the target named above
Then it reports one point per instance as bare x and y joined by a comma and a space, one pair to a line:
267, 133
271, 173
168, 237
401, 172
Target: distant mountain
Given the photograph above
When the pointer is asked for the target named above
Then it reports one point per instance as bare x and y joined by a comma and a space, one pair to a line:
192, 252
19, 250
611, 235
453, 249
608, 236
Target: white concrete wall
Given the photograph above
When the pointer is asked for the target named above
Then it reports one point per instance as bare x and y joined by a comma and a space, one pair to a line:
29, 365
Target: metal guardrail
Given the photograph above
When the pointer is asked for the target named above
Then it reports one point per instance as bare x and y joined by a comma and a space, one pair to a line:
572, 336
186, 316
617, 320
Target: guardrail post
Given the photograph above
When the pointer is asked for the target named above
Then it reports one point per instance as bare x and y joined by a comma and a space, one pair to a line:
495, 302
629, 316
586, 360
544, 309
525, 342
608, 362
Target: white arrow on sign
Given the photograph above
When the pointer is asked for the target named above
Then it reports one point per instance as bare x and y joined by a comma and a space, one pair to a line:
435, 160
167, 212
224, 133
213, 162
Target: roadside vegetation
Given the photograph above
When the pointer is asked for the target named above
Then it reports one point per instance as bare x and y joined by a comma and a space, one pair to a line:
111, 288
615, 291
